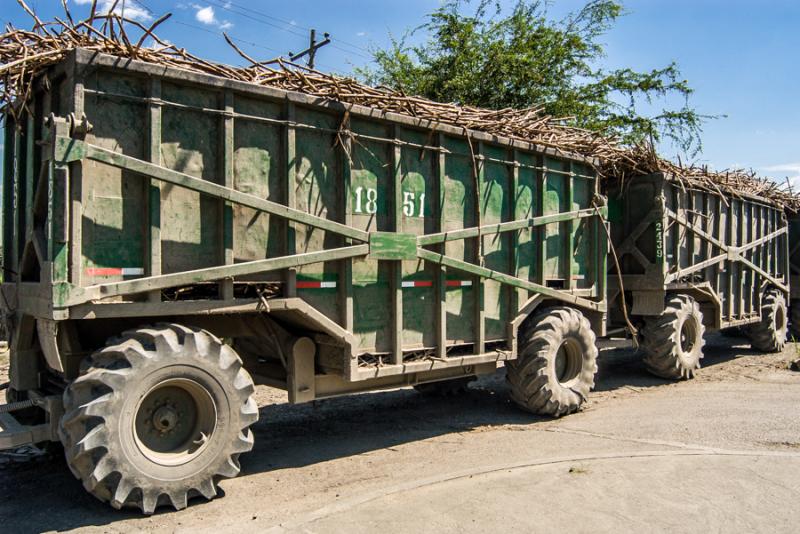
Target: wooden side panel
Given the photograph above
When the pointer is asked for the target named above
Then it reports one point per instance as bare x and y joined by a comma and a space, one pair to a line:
420, 214
257, 167
496, 248
191, 226
371, 178
114, 201
318, 191
459, 212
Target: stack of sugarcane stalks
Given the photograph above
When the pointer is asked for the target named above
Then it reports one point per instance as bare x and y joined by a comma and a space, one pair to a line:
26, 54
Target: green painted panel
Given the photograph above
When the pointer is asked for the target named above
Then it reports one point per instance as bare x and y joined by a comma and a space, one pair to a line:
582, 247
525, 207
258, 170
191, 229
369, 210
459, 212
496, 208
113, 200
420, 216
555, 200
318, 191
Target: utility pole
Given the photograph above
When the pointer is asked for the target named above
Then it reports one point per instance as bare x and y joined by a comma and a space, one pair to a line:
311, 51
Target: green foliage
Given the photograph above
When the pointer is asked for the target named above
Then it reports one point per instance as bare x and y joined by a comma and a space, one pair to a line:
524, 58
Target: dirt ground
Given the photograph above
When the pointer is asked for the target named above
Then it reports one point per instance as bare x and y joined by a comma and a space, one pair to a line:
718, 453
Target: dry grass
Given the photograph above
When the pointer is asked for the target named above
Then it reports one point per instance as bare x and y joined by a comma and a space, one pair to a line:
27, 54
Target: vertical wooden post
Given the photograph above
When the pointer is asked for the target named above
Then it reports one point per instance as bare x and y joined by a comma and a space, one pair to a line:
729, 265
154, 187
346, 266
515, 294
397, 267
290, 165
480, 322
569, 251
226, 285
76, 191
58, 219
540, 234
15, 178
441, 272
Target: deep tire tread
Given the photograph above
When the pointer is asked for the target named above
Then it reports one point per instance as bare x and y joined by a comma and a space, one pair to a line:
88, 415
533, 385
766, 335
661, 340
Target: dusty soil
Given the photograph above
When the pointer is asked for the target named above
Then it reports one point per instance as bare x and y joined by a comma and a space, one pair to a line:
721, 452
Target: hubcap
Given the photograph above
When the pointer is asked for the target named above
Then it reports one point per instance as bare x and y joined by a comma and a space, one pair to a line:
688, 335
174, 421
780, 319
568, 361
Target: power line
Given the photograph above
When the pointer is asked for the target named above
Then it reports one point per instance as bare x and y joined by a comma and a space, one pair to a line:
217, 32
249, 12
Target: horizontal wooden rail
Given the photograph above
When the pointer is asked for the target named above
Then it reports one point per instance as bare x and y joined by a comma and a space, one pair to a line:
507, 279
488, 229
210, 274
68, 149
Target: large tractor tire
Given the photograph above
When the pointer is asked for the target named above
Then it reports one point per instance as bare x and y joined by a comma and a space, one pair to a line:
769, 334
673, 341
445, 388
157, 417
556, 363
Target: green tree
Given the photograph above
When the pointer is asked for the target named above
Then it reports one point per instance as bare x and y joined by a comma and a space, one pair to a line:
522, 58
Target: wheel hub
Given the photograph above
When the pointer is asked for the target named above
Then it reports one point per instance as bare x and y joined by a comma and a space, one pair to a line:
174, 421
165, 419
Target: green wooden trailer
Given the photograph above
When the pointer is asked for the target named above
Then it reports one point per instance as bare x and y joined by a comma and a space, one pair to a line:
694, 259
173, 238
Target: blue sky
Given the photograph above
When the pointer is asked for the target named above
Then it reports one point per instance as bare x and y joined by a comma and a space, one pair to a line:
740, 56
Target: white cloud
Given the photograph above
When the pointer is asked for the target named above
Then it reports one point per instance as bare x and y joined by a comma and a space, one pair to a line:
361, 34
133, 10
207, 16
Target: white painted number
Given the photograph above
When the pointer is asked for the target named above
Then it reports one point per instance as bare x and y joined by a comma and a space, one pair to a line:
367, 202
372, 200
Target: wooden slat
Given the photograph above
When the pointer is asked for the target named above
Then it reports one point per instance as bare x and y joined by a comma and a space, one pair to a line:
503, 278
516, 295
397, 266
477, 283
346, 265
290, 182
76, 190
569, 227
228, 125
441, 272
541, 234
211, 274
154, 187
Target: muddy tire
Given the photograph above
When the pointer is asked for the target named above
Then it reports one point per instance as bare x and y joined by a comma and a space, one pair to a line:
157, 417
673, 342
769, 334
445, 388
794, 322
554, 370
